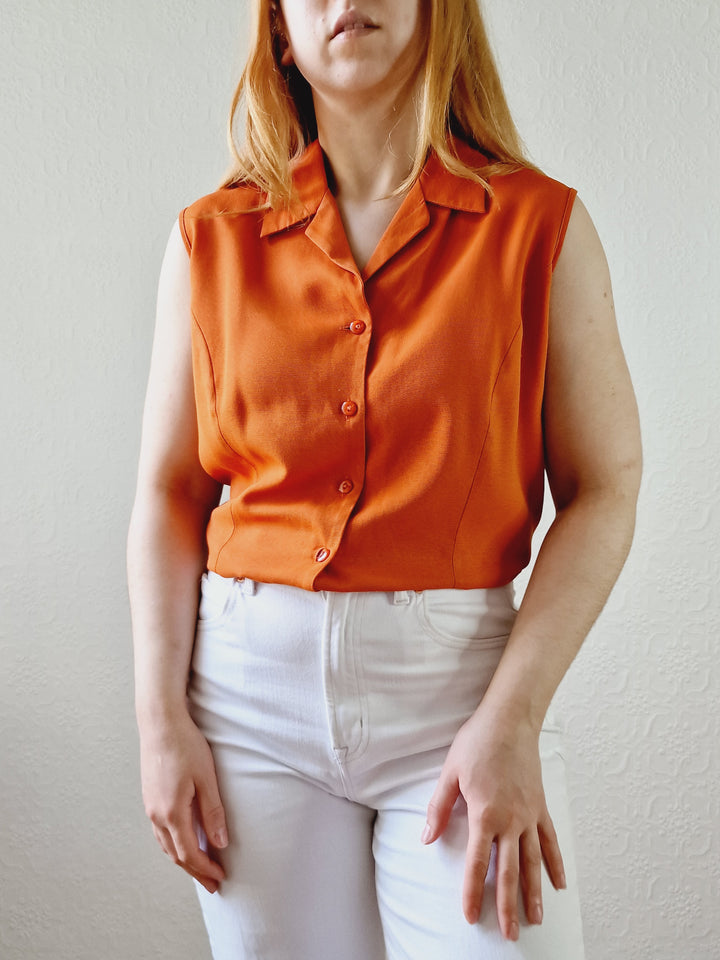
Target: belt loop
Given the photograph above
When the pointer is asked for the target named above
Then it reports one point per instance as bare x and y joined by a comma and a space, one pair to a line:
247, 586
401, 596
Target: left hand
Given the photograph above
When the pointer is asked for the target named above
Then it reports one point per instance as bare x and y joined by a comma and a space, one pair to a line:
495, 765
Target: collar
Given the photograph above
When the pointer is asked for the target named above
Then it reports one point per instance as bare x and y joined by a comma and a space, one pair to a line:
438, 184
446, 189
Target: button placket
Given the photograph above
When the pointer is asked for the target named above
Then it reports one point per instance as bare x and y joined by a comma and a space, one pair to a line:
348, 409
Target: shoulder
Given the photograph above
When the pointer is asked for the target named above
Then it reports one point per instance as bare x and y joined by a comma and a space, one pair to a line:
530, 189
539, 206
582, 262
518, 195
239, 198
220, 207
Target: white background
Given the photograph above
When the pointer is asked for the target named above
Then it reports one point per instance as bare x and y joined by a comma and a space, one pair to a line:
113, 119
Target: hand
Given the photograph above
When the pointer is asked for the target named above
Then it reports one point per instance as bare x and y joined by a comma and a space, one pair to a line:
496, 768
179, 781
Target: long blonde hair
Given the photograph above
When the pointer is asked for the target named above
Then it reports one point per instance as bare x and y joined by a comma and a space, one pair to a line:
461, 95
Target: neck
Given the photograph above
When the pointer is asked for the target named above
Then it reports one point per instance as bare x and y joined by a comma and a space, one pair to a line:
370, 147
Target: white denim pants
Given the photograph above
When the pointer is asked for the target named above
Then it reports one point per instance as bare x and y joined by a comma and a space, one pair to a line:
329, 716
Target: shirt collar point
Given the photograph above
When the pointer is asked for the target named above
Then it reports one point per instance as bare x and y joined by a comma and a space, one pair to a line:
276, 221
444, 188
309, 186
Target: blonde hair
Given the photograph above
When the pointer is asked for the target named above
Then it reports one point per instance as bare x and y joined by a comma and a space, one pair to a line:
461, 95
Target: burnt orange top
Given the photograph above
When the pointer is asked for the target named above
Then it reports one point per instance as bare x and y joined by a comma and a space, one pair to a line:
379, 430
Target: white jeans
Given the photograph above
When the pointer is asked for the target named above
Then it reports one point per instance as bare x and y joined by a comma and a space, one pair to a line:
329, 716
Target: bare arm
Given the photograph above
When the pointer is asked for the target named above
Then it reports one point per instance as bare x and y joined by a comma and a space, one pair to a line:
593, 462
166, 542
166, 557
593, 457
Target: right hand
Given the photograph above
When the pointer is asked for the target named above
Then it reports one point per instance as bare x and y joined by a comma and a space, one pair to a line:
179, 785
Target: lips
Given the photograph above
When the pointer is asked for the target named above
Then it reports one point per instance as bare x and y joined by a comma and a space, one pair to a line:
352, 20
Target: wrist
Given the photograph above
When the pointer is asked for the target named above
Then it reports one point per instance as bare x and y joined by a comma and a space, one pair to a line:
523, 685
512, 713
155, 713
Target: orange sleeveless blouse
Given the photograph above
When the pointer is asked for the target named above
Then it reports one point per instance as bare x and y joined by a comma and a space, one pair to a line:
378, 429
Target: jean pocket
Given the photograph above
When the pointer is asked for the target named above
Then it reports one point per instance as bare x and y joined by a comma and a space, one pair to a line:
217, 599
478, 619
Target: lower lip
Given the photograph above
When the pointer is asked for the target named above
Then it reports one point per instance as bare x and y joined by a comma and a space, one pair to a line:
354, 32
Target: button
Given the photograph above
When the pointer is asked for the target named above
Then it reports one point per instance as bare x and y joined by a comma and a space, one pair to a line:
349, 408
357, 327
322, 555
346, 486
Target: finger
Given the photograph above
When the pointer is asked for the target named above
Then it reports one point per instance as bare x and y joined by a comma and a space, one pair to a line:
551, 855
212, 812
165, 840
190, 856
209, 883
440, 807
530, 875
508, 871
477, 861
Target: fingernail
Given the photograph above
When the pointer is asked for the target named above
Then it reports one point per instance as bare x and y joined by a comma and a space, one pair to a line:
514, 930
562, 881
221, 838
536, 912
426, 834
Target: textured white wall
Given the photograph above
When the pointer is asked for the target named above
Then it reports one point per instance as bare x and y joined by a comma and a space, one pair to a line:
623, 101
113, 119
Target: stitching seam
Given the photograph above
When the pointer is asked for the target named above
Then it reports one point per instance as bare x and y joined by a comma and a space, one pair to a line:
482, 449
222, 435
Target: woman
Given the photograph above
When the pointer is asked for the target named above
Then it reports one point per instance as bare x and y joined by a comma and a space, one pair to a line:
379, 334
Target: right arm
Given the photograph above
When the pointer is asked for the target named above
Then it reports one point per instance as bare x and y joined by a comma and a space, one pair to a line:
166, 558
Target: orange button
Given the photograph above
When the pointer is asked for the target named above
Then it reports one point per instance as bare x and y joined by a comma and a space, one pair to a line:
357, 327
322, 555
349, 408
346, 486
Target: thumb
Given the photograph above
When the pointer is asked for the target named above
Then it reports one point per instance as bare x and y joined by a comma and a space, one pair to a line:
211, 812
440, 807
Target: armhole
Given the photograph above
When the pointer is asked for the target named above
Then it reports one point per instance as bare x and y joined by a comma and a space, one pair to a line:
184, 233
562, 229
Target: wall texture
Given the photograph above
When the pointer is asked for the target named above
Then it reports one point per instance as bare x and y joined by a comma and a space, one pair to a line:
113, 119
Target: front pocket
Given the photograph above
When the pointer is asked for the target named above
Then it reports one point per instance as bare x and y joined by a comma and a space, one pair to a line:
467, 618
217, 599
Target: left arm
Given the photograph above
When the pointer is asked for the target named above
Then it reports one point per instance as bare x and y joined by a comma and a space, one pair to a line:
593, 459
